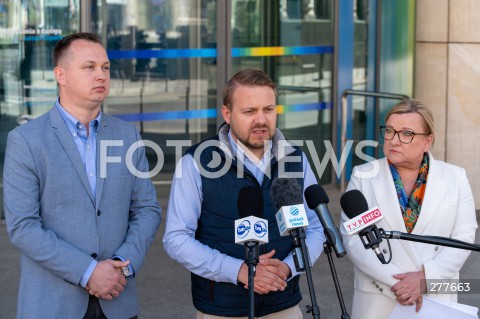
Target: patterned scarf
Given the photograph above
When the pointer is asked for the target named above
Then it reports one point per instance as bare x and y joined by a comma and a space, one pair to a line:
411, 206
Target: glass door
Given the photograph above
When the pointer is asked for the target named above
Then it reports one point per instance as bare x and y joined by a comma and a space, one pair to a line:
383, 63
28, 33
292, 40
163, 55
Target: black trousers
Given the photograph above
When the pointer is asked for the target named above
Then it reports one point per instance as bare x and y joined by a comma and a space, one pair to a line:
94, 311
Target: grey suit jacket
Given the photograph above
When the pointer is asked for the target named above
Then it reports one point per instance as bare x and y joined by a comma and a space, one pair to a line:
58, 225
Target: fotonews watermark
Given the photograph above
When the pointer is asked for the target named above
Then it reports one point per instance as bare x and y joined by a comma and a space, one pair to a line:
220, 158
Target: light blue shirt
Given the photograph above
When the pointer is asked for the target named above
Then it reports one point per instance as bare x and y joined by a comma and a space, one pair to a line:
87, 149
86, 145
257, 169
184, 208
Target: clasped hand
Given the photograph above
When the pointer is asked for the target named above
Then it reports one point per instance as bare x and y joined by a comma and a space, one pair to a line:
409, 289
271, 274
107, 281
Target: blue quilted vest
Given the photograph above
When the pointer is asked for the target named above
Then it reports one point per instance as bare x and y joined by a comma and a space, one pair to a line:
216, 230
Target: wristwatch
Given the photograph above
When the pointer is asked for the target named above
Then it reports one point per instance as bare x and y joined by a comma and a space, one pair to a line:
126, 272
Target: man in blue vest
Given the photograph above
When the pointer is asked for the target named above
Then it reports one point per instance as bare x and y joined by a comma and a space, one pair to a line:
248, 151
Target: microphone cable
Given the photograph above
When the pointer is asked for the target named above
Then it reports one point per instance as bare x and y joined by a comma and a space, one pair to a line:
384, 235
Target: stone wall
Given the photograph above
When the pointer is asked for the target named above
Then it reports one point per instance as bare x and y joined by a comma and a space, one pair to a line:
447, 77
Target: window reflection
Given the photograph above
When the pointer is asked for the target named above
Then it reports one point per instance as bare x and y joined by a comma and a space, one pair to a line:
164, 61
163, 77
28, 32
304, 80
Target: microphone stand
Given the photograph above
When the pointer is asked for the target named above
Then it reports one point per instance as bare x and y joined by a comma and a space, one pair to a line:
434, 240
327, 248
299, 237
252, 258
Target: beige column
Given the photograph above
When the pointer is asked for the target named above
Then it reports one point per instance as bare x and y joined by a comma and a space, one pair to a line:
447, 77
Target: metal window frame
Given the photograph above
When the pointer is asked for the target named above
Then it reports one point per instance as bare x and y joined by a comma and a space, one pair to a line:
224, 50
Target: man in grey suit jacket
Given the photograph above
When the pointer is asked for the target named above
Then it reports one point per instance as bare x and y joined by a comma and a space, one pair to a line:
76, 204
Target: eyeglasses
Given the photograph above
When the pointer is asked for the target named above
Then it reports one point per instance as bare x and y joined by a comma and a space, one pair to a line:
405, 136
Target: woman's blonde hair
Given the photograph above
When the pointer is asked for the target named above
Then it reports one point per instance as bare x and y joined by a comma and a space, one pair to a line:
415, 106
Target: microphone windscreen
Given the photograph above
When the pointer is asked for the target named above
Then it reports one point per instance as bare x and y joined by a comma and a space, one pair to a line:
353, 203
286, 192
315, 195
250, 202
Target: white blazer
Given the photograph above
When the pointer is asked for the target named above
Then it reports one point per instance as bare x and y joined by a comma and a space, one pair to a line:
448, 210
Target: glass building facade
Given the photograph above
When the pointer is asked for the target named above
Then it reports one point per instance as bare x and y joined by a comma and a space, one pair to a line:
170, 59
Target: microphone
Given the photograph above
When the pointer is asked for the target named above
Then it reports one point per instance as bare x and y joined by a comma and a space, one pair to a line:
362, 221
251, 231
317, 200
287, 197
250, 228
291, 217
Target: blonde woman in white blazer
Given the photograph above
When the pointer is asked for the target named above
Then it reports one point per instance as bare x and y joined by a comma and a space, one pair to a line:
447, 210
